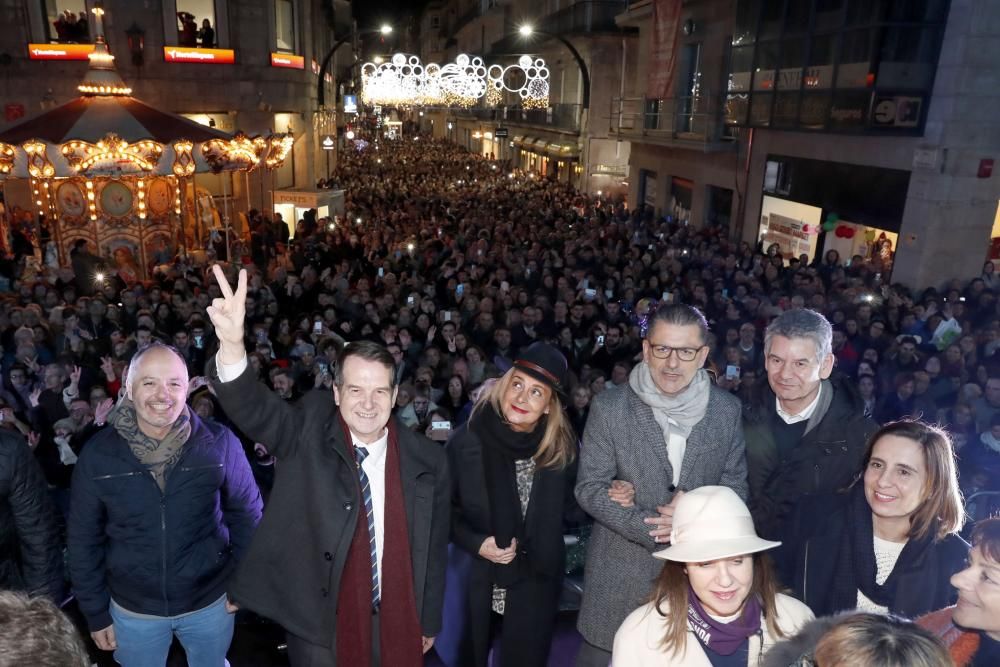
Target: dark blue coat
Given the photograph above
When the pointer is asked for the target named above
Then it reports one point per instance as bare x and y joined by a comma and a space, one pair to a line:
159, 553
809, 557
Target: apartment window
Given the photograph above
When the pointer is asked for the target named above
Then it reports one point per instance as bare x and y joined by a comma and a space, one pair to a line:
284, 25
66, 21
196, 23
823, 64
435, 21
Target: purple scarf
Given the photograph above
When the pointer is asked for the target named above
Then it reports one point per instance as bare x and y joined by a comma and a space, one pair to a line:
723, 638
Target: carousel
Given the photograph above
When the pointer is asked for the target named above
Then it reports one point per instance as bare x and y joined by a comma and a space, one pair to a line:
107, 168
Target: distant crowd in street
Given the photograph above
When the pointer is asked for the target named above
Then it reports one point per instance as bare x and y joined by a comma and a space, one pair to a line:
390, 418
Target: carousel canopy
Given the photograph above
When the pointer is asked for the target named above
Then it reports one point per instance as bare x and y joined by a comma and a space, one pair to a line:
106, 132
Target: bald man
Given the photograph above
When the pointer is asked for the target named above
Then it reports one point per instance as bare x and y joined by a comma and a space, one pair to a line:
163, 507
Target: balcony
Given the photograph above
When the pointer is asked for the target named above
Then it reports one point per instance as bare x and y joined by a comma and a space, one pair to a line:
565, 117
684, 122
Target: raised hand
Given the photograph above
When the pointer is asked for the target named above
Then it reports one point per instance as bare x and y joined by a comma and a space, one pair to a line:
102, 411
227, 314
108, 366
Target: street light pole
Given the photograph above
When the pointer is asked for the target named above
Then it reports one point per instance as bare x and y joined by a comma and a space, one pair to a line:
320, 87
527, 31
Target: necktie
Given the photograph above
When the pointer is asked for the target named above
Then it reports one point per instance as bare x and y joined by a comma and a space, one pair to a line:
366, 495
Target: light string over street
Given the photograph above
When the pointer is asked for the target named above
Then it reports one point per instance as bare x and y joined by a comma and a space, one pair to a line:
403, 81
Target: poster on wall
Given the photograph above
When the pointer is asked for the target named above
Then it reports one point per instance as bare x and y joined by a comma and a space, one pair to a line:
788, 233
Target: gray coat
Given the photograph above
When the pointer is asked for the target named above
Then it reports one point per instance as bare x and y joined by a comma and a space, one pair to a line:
623, 441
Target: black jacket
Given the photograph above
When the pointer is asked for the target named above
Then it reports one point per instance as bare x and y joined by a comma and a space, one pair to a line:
292, 571
159, 553
30, 556
827, 458
531, 604
808, 559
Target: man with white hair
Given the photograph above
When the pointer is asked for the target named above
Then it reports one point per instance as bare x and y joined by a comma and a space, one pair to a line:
805, 431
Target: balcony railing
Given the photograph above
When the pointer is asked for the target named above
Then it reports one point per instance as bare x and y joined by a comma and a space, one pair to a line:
557, 116
697, 118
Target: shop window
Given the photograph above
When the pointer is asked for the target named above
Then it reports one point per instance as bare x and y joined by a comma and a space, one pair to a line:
747, 13
829, 14
786, 109
719, 206
907, 58
196, 23
916, 11
66, 21
760, 109
284, 25
814, 110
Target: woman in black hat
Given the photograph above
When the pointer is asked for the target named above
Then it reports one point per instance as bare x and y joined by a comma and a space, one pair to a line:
511, 484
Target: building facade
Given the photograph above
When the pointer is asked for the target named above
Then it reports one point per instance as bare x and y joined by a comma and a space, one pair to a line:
569, 139
861, 127
249, 65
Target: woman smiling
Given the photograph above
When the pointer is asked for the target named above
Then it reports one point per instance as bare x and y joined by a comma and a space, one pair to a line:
891, 543
715, 572
511, 469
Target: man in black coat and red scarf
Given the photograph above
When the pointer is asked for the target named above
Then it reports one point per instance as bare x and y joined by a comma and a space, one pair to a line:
350, 555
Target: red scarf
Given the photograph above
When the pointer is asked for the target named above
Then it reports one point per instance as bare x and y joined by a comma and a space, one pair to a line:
401, 644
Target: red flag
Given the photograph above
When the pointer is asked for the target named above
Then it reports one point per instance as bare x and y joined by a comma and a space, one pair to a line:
663, 51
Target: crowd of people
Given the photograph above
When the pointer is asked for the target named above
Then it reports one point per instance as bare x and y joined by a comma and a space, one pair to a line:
742, 441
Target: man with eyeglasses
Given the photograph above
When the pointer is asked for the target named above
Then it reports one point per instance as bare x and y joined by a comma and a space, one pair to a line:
806, 432
666, 430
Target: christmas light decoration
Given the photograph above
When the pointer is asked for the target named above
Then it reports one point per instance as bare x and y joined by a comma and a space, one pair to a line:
112, 154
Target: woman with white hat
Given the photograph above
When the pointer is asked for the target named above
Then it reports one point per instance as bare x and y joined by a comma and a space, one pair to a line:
716, 602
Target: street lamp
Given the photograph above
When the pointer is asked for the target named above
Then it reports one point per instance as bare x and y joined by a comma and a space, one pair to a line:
384, 29
527, 31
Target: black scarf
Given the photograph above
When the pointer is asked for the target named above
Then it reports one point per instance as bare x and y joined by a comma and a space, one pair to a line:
502, 446
856, 567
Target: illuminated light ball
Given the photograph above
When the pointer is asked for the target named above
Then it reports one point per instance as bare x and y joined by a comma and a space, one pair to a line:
524, 61
399, 60
462, 60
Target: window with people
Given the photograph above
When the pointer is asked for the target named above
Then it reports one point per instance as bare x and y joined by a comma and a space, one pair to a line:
196, 23
67, 21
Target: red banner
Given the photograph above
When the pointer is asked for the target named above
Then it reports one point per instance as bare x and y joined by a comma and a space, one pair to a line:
288, 60
184, 54
59, 51
663, 50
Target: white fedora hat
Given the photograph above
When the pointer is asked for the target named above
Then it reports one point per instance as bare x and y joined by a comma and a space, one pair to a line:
712, 522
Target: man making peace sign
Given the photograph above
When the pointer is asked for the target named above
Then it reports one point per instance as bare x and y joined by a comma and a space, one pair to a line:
355, 535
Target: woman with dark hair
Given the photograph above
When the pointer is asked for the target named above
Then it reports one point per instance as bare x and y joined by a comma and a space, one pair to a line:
890, 543
971, 629
511, 466
455, 395
716, 601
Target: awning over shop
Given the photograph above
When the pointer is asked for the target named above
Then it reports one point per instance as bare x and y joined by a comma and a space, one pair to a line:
521, 140
565, 151
540, 145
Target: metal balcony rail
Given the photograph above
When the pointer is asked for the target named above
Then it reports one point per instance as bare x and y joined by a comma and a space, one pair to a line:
694, 118
561, 116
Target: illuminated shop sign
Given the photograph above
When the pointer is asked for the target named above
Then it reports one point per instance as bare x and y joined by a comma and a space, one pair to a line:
184, 54
59, 51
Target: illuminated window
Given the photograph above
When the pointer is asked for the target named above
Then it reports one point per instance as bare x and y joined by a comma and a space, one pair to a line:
66, 21
196, 24
284, 25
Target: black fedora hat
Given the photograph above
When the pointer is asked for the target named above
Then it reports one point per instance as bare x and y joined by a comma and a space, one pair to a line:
546, 364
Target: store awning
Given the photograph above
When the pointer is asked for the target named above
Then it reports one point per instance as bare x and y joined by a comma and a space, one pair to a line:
521, 140
540, 145
565, 151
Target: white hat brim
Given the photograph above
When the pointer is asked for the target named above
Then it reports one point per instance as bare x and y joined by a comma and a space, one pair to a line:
704, 551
